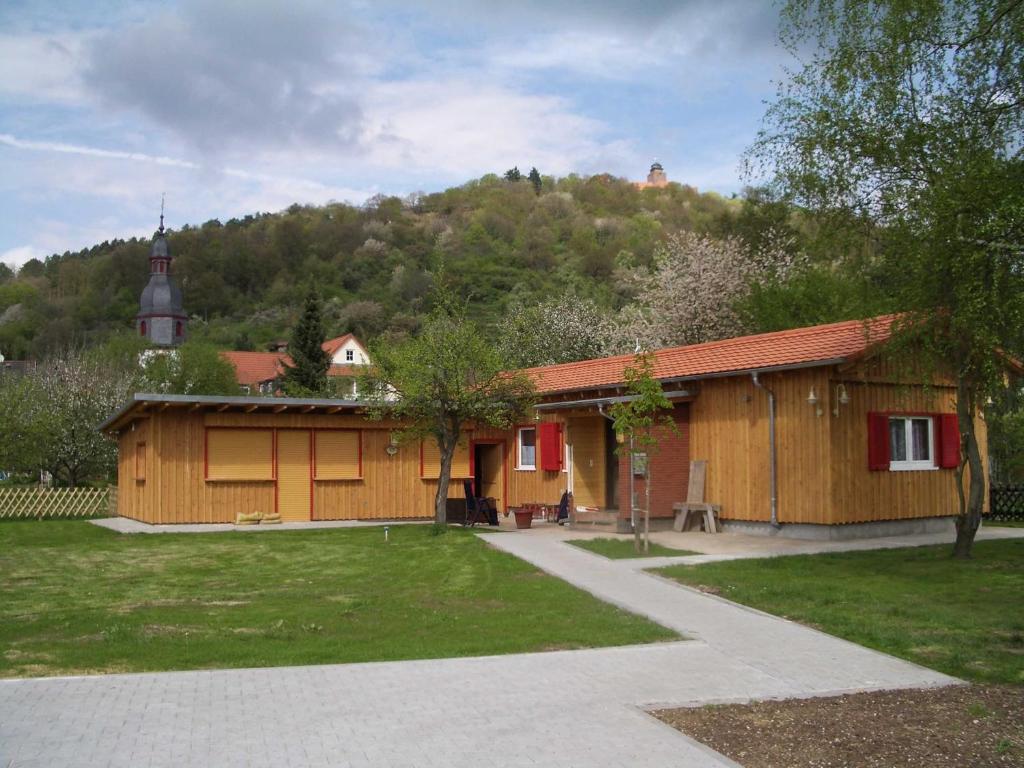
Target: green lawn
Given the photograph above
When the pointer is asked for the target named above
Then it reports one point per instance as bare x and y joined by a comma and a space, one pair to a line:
965, 618
79, 599
618, 549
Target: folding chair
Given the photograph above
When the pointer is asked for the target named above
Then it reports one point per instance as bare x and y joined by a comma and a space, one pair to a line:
478, 510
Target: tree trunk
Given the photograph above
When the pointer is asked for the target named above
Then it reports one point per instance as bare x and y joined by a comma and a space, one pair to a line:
969, 519
647, 505
447, 445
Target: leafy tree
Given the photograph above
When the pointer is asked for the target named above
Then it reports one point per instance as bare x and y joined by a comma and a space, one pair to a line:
692, 292
814, 294
535, 180
55, 417
1005, 421
909, 116
194, 368
6, 273
513, 174
32, 268
307, 375
642, 423
441, 380
558, 330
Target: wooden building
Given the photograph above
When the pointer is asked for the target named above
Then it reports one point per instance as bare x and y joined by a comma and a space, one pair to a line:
859, 447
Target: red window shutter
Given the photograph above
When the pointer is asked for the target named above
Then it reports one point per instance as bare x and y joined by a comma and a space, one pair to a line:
949, 440
550, 446
878, 441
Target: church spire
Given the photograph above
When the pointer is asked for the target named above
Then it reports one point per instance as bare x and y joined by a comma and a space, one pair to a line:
161, 319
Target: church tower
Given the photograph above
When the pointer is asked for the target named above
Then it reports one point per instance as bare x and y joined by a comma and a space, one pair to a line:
161, 320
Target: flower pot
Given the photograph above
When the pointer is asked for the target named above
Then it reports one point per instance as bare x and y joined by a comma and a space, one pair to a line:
524, 518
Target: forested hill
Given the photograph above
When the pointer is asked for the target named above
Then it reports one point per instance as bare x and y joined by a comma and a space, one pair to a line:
504, 244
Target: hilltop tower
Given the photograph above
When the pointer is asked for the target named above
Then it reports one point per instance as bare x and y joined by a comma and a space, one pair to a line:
161, 320
657, 177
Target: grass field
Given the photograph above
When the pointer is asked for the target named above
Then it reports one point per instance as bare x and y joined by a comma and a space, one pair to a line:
79, 599
618, 549
965, 618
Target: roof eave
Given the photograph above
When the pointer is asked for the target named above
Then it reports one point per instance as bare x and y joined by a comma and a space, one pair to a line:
145, 398
703, 376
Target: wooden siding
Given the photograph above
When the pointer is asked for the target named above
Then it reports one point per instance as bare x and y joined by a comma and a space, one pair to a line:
862, 495
526, 485
176, 489
729, 429
587, 436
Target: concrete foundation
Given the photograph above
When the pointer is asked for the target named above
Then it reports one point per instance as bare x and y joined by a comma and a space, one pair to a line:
846, 532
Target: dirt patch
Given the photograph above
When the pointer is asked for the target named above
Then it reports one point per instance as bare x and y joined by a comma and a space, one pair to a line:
978, 726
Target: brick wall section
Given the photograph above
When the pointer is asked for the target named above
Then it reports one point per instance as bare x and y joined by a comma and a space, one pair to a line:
670, 468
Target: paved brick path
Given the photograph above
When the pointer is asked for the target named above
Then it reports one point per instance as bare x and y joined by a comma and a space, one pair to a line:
573, 708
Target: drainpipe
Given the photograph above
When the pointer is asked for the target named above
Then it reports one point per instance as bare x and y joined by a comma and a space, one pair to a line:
771, 450
632, 506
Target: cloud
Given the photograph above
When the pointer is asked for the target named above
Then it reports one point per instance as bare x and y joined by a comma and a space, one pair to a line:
42, 67
236, 75
15, 257
466, 126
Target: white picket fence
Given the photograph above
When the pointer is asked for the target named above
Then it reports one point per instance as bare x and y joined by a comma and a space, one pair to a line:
39, 502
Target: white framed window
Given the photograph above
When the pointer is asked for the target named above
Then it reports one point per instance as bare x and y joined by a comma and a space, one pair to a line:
911, 442
350, 355
526, 448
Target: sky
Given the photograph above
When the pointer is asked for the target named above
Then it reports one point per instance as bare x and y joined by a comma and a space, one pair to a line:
232, 108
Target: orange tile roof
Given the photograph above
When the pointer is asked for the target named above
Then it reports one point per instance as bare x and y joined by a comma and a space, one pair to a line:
253, 368
333, 345
800, 346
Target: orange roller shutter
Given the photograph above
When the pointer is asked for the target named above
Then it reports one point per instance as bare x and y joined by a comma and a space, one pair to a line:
338, 454
239, 454
430, 459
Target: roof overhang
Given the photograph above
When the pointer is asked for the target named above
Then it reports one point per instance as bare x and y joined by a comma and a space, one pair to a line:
705, 376
142, 404
679, 394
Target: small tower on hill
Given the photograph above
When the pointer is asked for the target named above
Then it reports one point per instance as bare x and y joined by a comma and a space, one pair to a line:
161, 319
657, 177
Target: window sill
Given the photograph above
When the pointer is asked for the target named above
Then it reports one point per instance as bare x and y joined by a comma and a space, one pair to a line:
338, 479
912, 468
240, 479
525, 469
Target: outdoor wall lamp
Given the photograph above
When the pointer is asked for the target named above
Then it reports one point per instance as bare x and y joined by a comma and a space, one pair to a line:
392, 447
812, 400
842, 398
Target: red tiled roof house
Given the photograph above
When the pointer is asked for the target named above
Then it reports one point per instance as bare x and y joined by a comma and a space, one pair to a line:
861, 447
260, 372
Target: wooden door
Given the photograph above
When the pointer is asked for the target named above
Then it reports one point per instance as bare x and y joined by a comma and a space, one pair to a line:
294, 475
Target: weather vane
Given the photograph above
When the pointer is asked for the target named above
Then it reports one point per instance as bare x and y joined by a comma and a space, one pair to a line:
162, 195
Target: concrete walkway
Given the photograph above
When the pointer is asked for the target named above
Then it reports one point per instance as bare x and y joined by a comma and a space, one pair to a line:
127, 525
572, 708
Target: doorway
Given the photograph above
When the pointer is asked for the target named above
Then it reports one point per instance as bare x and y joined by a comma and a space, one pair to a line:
294, 481
611, 467
489, 472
